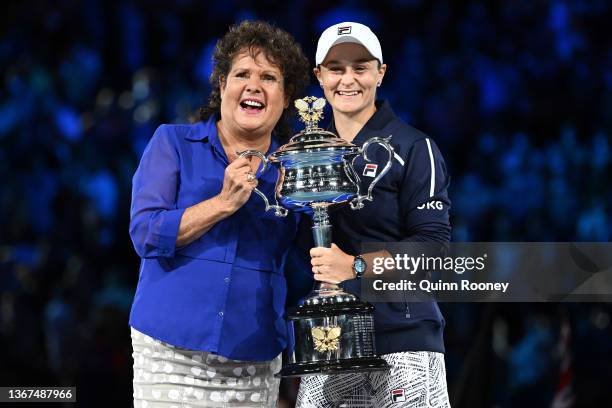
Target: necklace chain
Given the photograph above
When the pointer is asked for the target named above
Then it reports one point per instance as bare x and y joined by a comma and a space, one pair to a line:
230, 151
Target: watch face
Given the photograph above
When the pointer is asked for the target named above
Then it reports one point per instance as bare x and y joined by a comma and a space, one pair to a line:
360, 265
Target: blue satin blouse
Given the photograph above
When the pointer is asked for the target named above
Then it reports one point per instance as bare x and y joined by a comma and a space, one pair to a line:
225, 292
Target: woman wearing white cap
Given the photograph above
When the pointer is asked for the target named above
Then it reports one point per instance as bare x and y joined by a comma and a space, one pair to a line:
410, 205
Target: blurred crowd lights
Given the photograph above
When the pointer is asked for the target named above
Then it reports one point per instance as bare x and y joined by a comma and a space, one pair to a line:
139, 99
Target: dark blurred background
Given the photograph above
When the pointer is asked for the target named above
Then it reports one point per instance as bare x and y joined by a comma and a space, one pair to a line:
517, 94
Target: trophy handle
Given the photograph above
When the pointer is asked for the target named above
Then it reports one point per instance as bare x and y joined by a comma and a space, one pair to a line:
279, 210
357, 202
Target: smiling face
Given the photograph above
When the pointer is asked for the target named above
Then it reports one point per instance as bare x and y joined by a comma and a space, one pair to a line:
252, 95
349, 76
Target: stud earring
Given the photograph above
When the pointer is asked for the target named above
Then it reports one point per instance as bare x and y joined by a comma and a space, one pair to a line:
378, 84
321, 85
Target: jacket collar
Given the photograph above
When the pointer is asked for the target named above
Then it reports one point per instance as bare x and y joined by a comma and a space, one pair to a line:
381, 119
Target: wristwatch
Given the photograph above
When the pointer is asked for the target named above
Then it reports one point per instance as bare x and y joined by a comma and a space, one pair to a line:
359, 266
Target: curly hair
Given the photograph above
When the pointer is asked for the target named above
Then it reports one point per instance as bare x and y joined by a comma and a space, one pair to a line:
278, 46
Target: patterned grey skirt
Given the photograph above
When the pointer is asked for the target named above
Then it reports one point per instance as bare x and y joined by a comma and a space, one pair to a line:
166, 376
417, 380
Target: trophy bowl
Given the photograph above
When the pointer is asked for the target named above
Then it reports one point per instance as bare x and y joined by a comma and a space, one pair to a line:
333, 330
315, 167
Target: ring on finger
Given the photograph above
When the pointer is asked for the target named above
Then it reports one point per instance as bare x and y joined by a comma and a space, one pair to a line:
250, 176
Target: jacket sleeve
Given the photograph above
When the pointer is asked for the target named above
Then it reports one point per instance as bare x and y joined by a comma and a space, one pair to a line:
424, 196
154, 216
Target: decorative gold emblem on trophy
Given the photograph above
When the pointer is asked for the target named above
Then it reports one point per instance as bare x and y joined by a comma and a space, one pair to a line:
310, 110
326, 338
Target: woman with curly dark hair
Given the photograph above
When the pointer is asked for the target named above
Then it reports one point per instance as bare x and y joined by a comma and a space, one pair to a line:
207, 318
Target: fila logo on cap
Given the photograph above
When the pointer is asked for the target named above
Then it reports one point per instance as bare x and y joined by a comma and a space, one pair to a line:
344, 30
370, 170
398, 395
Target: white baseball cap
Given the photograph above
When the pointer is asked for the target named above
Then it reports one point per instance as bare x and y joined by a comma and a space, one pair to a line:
345, 33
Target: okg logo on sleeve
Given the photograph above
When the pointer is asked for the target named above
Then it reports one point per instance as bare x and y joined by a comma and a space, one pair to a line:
431, 205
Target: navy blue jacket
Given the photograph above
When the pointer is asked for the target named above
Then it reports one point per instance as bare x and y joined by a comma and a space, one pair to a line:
399, 213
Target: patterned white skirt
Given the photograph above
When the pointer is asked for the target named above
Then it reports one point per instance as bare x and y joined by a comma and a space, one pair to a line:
417, 380
167, 376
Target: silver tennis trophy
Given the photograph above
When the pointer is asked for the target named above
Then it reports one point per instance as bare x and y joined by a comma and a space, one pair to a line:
333, 330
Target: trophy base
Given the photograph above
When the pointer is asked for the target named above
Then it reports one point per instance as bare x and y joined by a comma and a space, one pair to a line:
344, 366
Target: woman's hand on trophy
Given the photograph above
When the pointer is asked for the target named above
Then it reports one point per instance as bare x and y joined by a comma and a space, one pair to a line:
239, 182
331, 265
